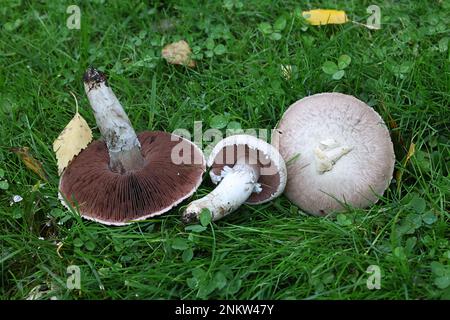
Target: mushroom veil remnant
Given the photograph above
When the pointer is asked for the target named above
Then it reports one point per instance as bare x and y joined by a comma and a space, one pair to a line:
127, 177
338, 151
247, 169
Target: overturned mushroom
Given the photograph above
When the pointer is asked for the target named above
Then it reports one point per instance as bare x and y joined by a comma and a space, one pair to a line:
128, 177
339, 152
249, 171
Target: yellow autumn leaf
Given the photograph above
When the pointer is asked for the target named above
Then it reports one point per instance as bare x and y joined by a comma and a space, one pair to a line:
178, 53
75, 137
29, 161
324, 16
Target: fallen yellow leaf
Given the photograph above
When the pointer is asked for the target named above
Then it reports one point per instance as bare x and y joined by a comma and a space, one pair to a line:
75, 137
29, 161
178, 53
323, 16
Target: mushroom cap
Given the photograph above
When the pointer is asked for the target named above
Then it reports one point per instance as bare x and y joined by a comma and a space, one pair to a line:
118, 199
358, 177
272, 168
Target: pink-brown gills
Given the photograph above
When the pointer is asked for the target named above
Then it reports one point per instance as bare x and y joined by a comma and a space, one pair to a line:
118, 198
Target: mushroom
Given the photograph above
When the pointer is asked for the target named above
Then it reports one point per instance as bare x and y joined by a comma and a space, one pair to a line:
127, 177
249, 170
338, 151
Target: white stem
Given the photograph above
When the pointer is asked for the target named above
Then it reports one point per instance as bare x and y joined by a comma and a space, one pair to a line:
327, 153
235, 188
115, 127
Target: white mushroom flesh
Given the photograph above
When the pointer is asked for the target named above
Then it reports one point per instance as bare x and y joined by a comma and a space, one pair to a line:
236, 186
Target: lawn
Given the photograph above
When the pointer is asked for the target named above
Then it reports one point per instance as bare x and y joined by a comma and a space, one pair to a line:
270, 251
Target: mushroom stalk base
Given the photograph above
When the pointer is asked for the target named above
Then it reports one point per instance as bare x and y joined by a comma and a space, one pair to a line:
327, 153
235, 188
123, 145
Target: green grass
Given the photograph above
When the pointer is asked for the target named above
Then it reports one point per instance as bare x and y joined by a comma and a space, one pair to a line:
270, 251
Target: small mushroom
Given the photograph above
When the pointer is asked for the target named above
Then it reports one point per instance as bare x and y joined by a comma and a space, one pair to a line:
338, 151
249, 171
127, 177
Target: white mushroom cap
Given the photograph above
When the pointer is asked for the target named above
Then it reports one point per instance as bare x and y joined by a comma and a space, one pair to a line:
337, 149
272, 175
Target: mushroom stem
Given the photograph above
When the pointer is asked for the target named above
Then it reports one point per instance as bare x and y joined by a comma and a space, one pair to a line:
235, 188
123, 145
328, 153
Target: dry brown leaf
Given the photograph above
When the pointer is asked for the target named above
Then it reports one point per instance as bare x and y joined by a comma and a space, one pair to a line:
178, 53
323, 16
29, 161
